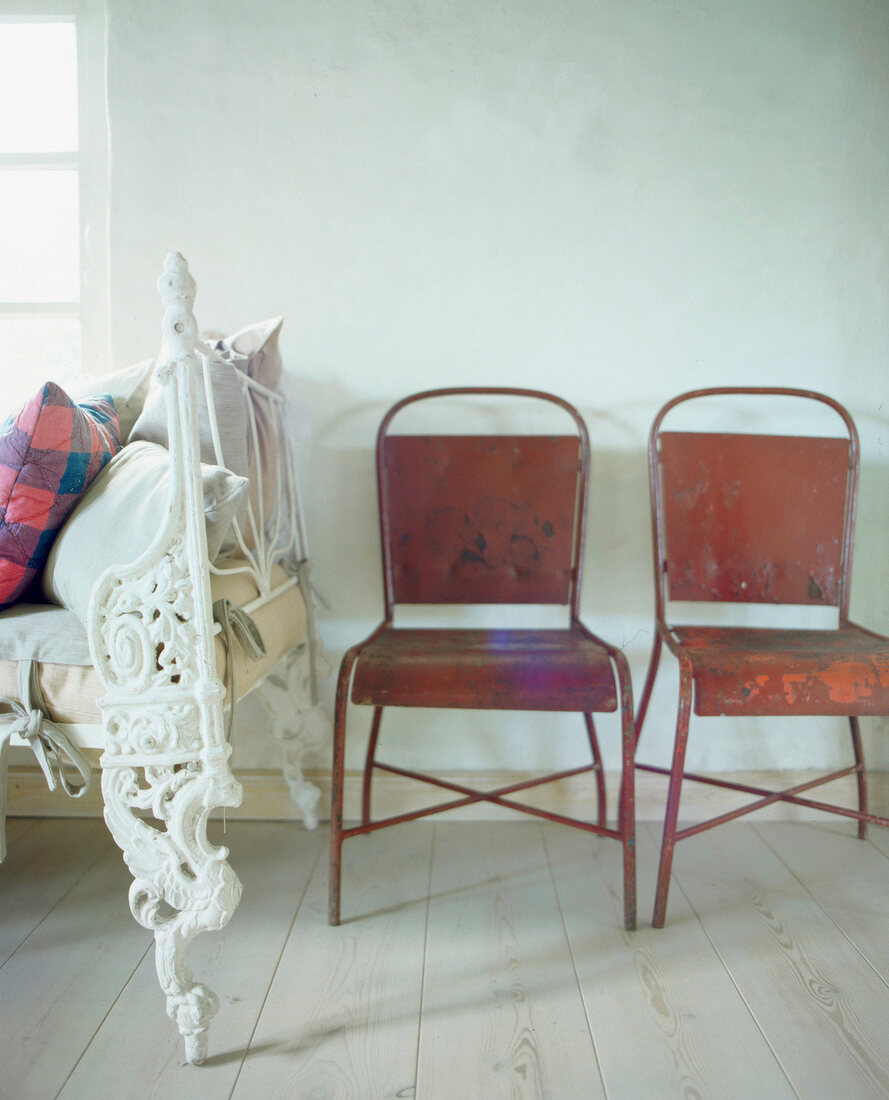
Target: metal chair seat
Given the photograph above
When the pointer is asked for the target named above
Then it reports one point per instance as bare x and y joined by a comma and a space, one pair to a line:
762, 671
564, 670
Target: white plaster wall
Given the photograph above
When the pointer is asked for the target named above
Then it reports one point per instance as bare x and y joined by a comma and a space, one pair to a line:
615, 200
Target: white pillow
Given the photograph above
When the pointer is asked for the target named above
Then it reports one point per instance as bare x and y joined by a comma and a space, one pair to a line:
230, 407
119, 516
127, 387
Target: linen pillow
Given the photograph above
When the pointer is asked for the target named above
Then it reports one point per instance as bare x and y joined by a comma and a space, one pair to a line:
127, 388
49, 454
231, 418
254, 350
121, 515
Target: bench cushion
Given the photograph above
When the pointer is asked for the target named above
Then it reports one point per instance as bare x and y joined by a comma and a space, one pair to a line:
120, 516
71, 690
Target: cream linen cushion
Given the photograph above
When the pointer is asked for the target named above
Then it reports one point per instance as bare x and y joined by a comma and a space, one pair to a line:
71, 691
254, 351
120, 515
127, 387
231, 418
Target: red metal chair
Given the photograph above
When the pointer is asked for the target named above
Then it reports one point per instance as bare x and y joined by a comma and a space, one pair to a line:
484, 519
765, 519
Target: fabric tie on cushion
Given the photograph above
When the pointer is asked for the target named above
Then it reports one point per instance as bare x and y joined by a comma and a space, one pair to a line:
48, 741
235, 621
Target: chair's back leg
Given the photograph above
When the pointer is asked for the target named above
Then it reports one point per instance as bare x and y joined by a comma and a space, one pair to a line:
369, 762
649, 684
600, 772
861, 773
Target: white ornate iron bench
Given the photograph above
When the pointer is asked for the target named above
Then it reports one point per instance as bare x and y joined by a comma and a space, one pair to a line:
148, 663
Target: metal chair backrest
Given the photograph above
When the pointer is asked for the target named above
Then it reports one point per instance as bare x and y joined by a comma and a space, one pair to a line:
482, 519
741, 518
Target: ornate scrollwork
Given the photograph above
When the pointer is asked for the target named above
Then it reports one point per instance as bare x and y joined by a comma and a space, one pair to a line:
147, 626
151, 638
181, 885
143, 732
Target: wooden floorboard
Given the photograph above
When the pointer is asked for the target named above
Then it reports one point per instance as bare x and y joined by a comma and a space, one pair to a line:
57, 988
502, 1016
821, 1005
274, 862
661, 991
342, 1016
824, 857
40, 868
476, 960
17, 827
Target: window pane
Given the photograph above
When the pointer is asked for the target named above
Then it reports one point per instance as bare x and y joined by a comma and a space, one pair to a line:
35, 351
39, 231
38, 87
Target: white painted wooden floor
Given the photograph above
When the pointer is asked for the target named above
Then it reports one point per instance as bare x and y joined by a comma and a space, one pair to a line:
477, 960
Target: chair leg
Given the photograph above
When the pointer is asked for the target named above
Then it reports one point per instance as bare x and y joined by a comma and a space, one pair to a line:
649, 685
628, 823
627, 798
673, 795
337, 775
600, 772
368, 765
861, 774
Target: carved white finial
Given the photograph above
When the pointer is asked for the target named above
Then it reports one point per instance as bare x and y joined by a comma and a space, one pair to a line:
177, 290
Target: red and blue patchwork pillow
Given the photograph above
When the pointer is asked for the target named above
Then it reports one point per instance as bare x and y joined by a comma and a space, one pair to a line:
49, 453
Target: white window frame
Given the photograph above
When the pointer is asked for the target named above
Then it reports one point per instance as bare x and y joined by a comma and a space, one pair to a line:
91, 163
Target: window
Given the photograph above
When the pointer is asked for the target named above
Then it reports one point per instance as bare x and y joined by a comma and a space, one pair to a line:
53, 266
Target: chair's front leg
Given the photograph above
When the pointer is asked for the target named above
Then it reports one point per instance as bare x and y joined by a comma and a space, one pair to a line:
337, 779
674, 793
182, 885
627, 796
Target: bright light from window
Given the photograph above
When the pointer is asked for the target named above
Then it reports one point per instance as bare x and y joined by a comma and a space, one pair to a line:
35, 351
38, 88
39, 231
40, 325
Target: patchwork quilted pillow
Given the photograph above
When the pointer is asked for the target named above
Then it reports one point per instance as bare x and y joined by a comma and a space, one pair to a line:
49, 453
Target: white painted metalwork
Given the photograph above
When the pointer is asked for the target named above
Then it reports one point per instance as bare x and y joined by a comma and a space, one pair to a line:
297, 723
165, 765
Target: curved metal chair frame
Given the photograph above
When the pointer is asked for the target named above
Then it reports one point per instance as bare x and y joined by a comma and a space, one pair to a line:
803, 491
459, 525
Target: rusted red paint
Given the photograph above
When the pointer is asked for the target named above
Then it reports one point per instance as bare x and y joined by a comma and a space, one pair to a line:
480, 519
763, 519
484, 520
805, 672
753, 518
486, 669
